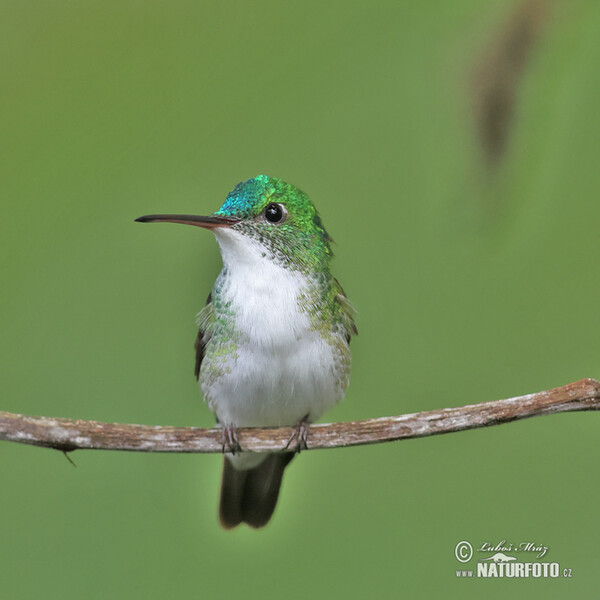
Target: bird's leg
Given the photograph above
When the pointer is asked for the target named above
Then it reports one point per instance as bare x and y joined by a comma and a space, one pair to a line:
301, 434
229, 440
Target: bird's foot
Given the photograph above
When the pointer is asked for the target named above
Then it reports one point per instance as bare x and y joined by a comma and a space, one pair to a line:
229, 440
300, 434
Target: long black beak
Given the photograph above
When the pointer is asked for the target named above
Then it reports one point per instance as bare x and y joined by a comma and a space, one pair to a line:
210, 222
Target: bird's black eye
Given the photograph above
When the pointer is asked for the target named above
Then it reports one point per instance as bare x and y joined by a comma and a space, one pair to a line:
274, 213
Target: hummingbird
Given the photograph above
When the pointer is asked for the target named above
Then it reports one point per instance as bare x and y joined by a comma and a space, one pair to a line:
273, 339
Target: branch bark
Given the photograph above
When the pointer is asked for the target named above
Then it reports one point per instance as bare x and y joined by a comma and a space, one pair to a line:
70, 434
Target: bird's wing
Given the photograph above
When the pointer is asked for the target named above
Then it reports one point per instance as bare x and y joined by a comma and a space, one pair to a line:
346, 312
205, 319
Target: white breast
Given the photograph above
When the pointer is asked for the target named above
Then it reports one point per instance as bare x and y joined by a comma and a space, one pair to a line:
264, 295
283, 369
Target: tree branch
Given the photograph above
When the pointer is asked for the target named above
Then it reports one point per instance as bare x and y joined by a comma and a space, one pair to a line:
70, 434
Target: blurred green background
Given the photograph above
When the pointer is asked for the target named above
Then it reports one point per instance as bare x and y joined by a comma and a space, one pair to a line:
472, 283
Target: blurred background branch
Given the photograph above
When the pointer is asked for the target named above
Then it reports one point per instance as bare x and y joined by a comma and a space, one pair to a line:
67, 434
499, 71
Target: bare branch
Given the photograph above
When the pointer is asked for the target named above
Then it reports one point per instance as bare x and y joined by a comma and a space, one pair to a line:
69, 434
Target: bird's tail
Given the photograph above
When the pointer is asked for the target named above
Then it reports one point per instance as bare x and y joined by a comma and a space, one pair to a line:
249, 496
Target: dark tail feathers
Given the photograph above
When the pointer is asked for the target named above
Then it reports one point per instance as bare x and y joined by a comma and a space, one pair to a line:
250, 496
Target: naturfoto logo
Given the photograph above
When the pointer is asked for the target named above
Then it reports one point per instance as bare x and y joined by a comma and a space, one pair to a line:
499, 561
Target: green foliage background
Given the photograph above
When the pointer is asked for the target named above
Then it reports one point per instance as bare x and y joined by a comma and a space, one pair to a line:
469, 287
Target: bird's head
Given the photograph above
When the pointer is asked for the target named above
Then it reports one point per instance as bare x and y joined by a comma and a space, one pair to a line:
265, 217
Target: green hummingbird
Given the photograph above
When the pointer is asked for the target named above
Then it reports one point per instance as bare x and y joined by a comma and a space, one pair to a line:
273, 340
